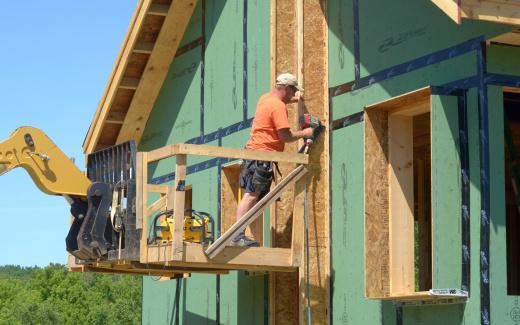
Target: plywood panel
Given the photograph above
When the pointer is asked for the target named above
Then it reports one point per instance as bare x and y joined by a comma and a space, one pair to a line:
376, 204
231, 194
401, 209
315, 82
284, 290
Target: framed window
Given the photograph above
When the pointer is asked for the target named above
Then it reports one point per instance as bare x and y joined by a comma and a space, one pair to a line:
412, 197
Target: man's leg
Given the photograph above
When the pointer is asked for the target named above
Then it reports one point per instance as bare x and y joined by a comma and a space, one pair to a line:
245, 204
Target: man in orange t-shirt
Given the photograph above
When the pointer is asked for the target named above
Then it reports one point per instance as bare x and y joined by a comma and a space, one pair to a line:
270, 131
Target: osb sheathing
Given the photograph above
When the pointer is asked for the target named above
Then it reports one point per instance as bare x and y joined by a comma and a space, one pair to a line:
284, 286
316, 102
288, 288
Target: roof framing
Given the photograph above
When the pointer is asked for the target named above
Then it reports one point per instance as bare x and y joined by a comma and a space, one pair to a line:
152, 39
499, 11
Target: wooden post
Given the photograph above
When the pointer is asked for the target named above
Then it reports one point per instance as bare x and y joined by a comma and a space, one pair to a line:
298, 224
178, 206
141, 202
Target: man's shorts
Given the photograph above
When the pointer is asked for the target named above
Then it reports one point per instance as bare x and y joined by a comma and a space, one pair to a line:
256, 176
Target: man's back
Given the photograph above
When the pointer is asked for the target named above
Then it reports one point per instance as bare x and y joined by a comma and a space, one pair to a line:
271, 116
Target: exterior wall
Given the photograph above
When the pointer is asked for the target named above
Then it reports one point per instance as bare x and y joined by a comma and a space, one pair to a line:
177, 117
391, 33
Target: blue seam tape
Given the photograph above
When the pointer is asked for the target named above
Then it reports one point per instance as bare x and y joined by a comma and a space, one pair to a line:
465, 196
502, 80
409, 66
348, 120
485, 315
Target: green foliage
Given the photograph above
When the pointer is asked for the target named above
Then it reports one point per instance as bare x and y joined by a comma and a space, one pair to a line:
51, 295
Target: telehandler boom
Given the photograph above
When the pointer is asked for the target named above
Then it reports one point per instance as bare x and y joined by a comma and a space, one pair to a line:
102, 201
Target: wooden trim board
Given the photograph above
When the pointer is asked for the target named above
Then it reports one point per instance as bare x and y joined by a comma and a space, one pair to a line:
231, 258
213, 151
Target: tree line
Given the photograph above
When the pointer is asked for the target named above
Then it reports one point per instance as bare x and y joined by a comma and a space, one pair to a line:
52, 295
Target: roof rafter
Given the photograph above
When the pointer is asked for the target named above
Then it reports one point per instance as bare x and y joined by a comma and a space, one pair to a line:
156, 69
148, 49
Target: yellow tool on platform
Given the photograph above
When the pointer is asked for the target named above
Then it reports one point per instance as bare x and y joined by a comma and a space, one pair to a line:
198, 227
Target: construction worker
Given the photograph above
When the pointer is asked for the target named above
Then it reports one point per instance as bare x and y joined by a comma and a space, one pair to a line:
270, 131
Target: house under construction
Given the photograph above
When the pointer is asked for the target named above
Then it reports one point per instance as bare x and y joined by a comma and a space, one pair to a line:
407, 208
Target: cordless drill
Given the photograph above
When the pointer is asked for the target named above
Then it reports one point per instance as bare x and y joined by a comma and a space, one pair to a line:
309, 121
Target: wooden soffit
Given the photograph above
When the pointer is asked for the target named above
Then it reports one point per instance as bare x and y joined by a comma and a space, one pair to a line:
498, 11
152, 39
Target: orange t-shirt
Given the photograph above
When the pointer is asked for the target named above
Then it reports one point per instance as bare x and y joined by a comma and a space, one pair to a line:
271, 115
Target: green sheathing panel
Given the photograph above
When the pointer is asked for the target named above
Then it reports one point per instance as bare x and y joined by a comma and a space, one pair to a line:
349, 305
446, 193
388, 27
175, 118
341, 39
159, 300
472, 309
391, 33
259, 51
223, 91
504, 308
194, 28
503, 60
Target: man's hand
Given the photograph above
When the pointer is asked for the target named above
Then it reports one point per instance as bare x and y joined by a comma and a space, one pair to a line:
286, 135
297, 96
308, 133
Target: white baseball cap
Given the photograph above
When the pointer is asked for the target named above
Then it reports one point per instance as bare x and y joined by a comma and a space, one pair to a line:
288, 80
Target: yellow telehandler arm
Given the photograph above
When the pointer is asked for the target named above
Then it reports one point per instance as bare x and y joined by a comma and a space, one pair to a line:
50, 169
102, 200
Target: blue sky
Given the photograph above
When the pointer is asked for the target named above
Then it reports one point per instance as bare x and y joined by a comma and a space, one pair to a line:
55, 60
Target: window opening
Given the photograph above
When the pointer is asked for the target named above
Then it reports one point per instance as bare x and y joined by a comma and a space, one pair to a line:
512, 194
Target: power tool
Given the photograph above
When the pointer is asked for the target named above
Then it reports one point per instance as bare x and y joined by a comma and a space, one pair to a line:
310, 121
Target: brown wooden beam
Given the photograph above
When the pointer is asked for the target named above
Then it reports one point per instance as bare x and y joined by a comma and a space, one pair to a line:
231, 258
212, 151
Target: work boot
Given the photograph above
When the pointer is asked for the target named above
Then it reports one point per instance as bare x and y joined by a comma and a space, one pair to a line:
244, 241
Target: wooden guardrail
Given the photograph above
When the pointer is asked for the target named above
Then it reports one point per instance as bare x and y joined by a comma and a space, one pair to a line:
182, 254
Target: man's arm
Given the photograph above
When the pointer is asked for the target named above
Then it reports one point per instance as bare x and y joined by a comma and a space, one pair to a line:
287, 135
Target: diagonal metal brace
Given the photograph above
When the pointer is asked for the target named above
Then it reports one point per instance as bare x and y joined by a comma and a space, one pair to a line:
255, 211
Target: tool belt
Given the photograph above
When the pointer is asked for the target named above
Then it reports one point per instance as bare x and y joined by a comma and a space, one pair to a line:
259, 173
262, 176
